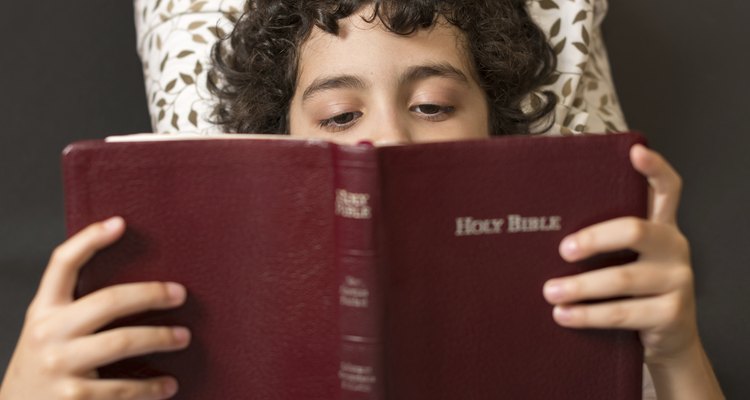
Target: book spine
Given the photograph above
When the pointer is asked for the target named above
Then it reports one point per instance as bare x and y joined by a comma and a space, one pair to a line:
360, 307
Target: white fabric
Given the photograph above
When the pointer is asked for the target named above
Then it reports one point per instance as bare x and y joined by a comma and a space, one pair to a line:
587, 98
174, 42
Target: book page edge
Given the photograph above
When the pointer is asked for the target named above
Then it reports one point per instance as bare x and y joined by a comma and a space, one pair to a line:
158, 137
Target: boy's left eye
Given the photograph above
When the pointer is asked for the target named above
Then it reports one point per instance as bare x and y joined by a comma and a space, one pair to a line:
432, 111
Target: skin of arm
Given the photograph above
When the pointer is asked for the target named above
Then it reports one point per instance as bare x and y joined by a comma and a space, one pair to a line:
660, 286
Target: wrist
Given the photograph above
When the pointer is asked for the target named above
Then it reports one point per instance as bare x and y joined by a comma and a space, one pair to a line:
689, 352
687, 375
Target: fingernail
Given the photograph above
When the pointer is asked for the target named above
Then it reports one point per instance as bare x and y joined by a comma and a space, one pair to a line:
175, 291
169, 388
181, 335
113, 224
569, 246
563, 314
554, 291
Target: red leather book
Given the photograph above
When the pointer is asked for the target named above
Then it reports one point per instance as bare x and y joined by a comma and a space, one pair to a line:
323, 271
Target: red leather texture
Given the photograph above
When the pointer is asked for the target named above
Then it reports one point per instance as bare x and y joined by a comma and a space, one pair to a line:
464, 316
248, 226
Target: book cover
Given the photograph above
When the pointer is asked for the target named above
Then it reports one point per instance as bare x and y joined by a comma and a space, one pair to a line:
323, 271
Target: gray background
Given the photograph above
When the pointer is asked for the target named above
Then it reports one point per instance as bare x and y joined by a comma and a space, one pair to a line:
69, 71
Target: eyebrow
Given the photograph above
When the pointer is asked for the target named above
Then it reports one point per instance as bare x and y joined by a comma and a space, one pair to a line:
332, 82
413, 74
440, 70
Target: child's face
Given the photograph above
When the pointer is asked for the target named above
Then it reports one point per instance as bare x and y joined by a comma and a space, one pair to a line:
371, 84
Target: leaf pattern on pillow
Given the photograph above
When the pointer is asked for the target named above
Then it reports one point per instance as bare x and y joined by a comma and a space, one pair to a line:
174, 42
583, 78
175, 39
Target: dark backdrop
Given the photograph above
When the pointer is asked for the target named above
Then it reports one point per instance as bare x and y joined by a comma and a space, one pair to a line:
68, 71
681, 71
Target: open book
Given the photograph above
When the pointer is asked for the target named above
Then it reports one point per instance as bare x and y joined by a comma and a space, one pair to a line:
323, 271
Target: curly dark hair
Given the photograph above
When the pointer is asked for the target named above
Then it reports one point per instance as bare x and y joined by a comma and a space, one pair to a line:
255, 68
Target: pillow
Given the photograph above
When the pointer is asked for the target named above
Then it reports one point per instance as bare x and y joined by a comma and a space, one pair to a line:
583, 82
175, 39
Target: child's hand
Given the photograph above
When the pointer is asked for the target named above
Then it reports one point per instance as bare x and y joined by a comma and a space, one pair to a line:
59, 350
660, 282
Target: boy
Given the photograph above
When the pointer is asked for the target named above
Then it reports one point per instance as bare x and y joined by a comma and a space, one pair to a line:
386, 72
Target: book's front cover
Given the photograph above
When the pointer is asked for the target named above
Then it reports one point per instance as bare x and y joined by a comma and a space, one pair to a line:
469, 235
247, 227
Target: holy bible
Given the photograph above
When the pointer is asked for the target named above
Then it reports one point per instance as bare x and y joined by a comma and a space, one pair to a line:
323, 271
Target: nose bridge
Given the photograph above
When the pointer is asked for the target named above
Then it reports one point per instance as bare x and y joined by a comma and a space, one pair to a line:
391, 125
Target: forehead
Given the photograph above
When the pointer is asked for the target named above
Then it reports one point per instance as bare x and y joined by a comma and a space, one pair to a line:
368, 48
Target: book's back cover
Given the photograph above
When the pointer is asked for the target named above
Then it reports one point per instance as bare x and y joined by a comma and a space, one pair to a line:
469, 235
247, 227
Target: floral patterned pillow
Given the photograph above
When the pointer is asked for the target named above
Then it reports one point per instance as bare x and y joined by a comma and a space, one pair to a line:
175, 39
583, 83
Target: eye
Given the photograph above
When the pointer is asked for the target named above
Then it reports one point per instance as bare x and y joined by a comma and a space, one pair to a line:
433, 112
428, 109
341, 121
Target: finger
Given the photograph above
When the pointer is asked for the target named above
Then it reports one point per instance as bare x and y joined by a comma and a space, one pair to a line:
60, 276
637, 279
664, 181
637, 314
93, 311
651, 240
90, 352
150, 389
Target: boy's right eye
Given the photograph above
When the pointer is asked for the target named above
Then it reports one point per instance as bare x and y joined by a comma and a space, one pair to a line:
341, 121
